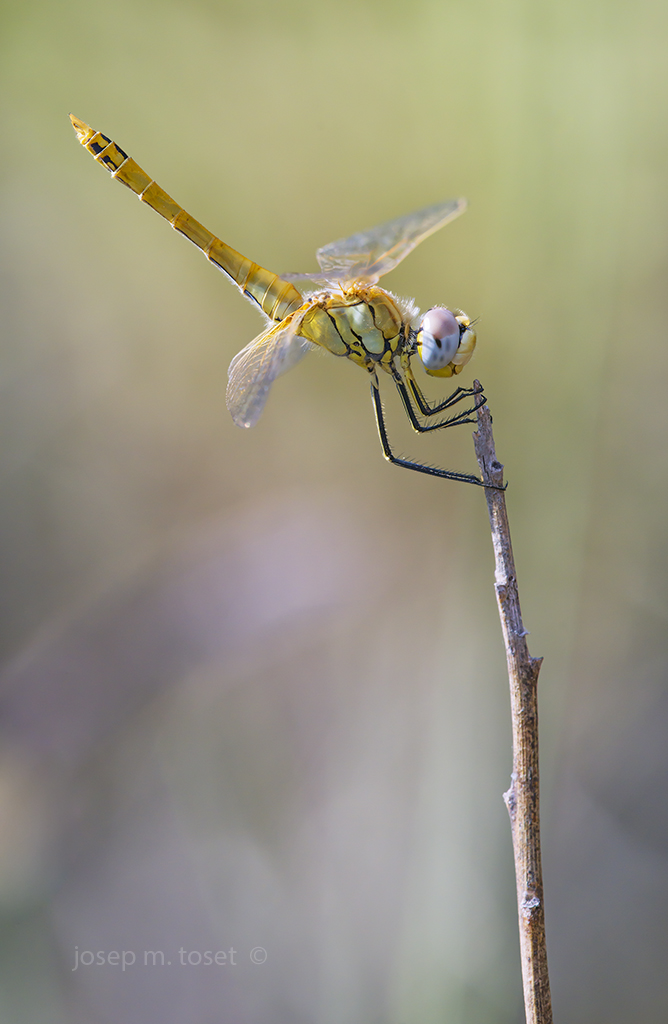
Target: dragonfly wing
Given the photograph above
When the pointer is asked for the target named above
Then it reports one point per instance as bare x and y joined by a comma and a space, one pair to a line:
309, 283
370, 254
256, 367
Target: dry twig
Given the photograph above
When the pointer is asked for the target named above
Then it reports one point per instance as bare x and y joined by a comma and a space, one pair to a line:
522, 797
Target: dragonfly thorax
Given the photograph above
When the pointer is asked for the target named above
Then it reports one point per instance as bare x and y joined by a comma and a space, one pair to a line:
363, 322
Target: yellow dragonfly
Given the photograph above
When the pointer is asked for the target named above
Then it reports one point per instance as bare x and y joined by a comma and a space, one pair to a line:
341, 309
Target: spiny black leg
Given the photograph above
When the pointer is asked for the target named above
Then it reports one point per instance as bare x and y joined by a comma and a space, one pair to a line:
424, 406
431, 410
465, 416
446, 474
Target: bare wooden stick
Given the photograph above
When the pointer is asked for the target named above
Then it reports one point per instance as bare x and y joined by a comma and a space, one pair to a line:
522, 799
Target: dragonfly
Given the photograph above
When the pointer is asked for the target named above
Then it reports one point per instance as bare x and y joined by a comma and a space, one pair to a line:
341, 309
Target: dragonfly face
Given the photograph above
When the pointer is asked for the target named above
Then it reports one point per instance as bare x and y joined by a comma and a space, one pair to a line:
340, 309
445, 342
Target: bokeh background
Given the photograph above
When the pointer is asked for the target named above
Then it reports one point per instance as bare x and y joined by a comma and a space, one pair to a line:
253, 688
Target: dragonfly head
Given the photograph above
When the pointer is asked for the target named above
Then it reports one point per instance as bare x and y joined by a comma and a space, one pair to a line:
445, 342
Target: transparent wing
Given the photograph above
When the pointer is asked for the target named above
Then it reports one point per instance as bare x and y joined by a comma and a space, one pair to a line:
370, 254
256, 367
309, 283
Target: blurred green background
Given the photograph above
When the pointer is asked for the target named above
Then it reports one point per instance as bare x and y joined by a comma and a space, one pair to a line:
253, 688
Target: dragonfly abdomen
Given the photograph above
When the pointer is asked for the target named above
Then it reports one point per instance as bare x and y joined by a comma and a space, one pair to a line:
276, 297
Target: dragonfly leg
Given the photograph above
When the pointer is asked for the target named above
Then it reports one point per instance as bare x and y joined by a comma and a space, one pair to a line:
465, 416
445, 474
425, 407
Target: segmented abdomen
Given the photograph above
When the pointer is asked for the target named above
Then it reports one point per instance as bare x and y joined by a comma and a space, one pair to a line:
277, 297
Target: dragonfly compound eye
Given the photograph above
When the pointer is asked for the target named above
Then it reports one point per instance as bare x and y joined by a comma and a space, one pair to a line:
438, 340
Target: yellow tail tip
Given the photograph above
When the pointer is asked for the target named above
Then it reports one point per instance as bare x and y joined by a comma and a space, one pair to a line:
83, 131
